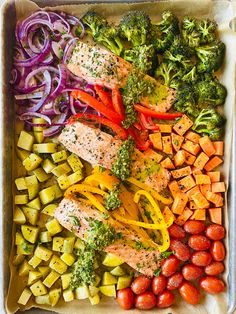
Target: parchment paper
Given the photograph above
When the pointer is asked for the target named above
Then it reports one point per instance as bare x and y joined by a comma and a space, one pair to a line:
223, 12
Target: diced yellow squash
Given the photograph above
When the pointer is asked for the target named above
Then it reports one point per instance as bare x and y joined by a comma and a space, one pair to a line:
95, 299
68, 245
65, 280
61, 169
24, 269
118, 271
24, 297
19, 238
22, 154
32, 162
20, 184
39, 137
42, 299
18, 259
59, 156
108, 279
93, 291
50, 209
58, 265
38, 288
21, 199
75, 177
43, 219
45, 148
79, 244
48, 165
82, 292
35, 203
30, 233
25, 248
25, 141
63, 182
112, 260
38, 128
109, 291
53, 226
57, 244
31, 214
19, 217
45, 237
68, 295
54, 296
74, 162
50, 194
31, 180
33, 191
33, 276
35, 261
43, 253
68, 258
124, 282
41, 175
96, 281
51, 279
44, 270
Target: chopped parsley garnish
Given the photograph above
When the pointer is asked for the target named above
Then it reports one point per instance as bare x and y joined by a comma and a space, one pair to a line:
75, 221
25, 247
112, 201
147, 214
157, 272
166, 254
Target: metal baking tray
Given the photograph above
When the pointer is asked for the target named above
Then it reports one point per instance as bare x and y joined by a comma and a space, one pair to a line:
7, 27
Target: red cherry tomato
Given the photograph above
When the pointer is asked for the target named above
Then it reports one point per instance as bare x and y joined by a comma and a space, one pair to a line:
125, 298
165, 299
176, 232
174, 281
215, 232
214, 269
212, 285
194, 226
191, 272
158, 284
201, 258
181, 250
217, 251
145, 301
169, 266
189, 293
140, 284
199, 242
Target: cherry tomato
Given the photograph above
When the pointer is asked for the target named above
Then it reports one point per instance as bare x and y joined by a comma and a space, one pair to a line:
165, 299
191, 272
214, 269
199, 242
189, 293
145, 301
174, 281
140, 284
158, 284
181, 250
201, 258
194, 226
217, 251
215, 232
169, 266
176, 232
212, 285
125, 298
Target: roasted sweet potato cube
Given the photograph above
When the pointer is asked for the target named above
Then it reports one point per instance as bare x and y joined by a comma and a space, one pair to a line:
183, 125
186, 183
156, 140
207, 146
189, 158
202, 179
200, 200
213, 163
193, 137
182, 172
177, 141
167, 147
179, 203
174, 188
186, 214
201, 160
191, 147
167, 163
199, 214
216, 215
218, 187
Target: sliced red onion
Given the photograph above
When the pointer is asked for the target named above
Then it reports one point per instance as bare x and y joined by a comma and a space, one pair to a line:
71, 102
39, 70
53, 130
29, 96
57, 49
15, 76
30, 115
30, 89
61, 83
63, 20
68, 49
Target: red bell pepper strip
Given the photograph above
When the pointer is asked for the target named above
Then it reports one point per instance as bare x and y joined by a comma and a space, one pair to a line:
147, 123
122, 133
104, 96
117, 102
97, 105
140, 138
157, 115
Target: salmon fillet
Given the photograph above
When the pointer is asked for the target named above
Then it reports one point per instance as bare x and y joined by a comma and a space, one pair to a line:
145, 260
99, 66
100, 148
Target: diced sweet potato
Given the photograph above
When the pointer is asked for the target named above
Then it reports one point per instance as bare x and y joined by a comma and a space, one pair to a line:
166, 143
216, 215
200, 200
194, 190
174, 188
167, 214
204, 188
213, 163
199, 214
186, 214
183, 125
214, 176
150, 153
218, 187
215, 198
177, 141
186, 183
156, 140
191, 147
193, 137
189, 158
167, 163
219, 148
192, 205
201, 160
196, 171
182, 172
165, 128
179, 158
202, 179
207, 146
179, 203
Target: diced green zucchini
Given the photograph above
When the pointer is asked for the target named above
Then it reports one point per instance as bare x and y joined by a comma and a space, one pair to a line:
30, 233
118, 271
39, 137
124, 282
93, 291
38, 288
21, 199
82, 292
35, 261
45, 237
95, 299
54, 296
53, 226
18, 259
74, 162
31, 180
41, 175
33, 276
112, 260
63, 182
68, 245
45, 148
24, 269
68, 295
50, 209
75, 177
59, 156
57, 264
31, 214
24, 297
109, 291
25, 140
19, 239
33, 191
44, 270
108, 279
20, 184
43, 253
32, 162
22, 154
57, 244
68, 258
50, 194
51, 279
79, 244
61, 169
35, 203
48, 165
19, 217
65, 280
42, 299
25, 248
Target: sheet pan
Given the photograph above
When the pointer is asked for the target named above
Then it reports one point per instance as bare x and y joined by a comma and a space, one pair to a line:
223, 12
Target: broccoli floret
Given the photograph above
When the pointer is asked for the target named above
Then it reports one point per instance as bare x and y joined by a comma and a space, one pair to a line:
189, 24
210, 57
168, 71
143, 57
169, 22
190, 76
93, 22
135, 26
210, 91
207, 31
108, 36
209, 122
189, 32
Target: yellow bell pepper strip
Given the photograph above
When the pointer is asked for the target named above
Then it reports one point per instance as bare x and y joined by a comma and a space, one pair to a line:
165, 240
84, 188
156, 195
94, 201
137, 223
104, 179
